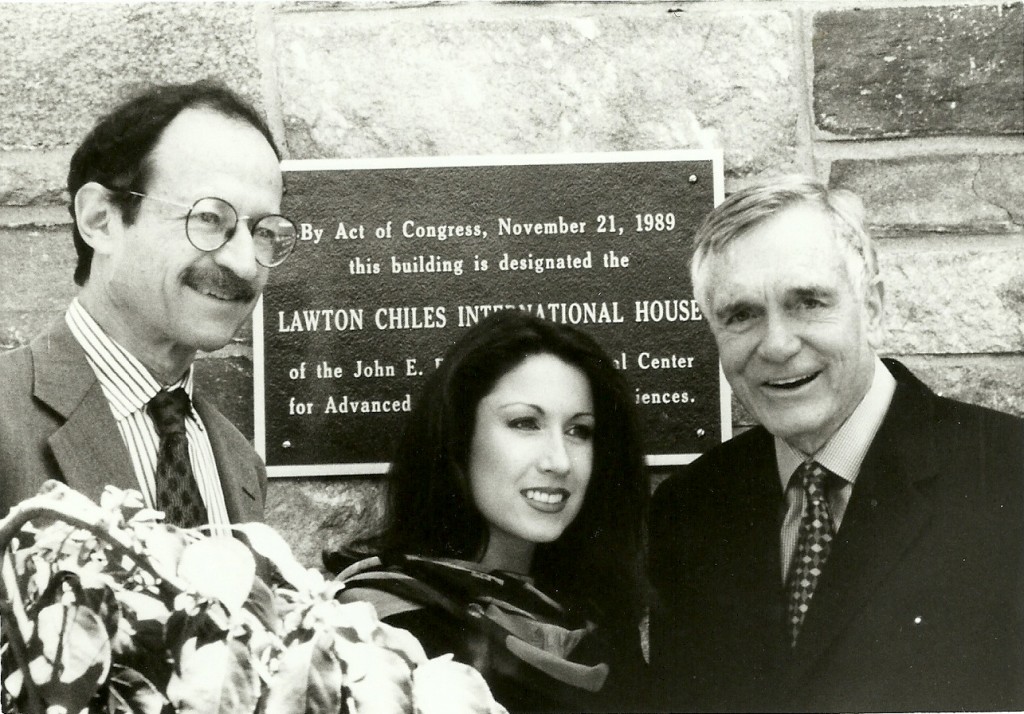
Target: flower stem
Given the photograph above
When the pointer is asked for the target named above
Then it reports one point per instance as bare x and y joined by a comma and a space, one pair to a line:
49, 507
11, 621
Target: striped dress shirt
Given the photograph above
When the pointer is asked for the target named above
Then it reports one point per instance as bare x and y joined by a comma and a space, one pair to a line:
128, 387
842, 454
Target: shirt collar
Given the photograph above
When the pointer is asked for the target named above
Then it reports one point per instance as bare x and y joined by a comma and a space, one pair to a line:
845, 450
126, 382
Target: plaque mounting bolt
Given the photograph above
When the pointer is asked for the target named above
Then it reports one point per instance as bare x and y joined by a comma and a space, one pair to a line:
286, 444
693, 178
701, 433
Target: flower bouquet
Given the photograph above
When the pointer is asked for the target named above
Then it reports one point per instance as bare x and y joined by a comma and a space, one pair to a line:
106, 608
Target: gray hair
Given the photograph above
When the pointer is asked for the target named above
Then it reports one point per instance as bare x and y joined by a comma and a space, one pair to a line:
750, 206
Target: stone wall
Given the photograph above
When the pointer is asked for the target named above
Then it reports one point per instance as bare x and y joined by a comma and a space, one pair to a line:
918, 106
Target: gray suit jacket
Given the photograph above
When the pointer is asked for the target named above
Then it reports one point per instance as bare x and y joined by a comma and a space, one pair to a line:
55, 423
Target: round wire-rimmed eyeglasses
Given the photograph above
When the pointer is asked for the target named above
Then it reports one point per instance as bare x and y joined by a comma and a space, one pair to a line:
211, 222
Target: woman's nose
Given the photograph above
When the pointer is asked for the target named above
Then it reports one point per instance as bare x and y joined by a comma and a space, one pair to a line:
556, 457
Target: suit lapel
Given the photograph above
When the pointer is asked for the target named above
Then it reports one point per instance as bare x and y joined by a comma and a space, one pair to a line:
887, 511
235, 466
753, 555
87, 447
768, 597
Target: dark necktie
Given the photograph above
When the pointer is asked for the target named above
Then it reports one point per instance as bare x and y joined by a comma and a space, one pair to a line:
812, 547
177, 493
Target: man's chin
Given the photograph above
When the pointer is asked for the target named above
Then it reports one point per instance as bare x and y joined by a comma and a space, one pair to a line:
212, 340
793, 428
807, 438
214, 323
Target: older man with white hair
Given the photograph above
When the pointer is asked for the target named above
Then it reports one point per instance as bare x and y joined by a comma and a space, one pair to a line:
863, 547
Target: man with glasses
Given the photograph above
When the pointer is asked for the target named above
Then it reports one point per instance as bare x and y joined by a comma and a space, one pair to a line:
175, 201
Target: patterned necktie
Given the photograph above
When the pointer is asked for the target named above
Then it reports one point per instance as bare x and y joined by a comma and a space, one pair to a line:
812, 547
177, 493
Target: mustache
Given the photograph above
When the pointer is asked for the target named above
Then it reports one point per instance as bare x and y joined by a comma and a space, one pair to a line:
220, 280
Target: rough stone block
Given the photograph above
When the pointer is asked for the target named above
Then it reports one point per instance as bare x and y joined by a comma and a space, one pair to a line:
227, 382
519, 81
34, 216
992, 381
33, 179
1000, 180
914, 71
953, 300
324, 513
36, 284
66, 63
957, 193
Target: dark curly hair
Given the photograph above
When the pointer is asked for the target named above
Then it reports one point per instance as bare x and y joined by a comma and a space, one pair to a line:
116, 152
598, 559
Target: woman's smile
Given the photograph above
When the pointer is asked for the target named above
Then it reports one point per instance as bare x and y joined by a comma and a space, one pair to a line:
548, 500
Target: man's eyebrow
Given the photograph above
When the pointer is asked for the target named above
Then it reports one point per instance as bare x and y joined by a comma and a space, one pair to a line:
733, 306
811, 291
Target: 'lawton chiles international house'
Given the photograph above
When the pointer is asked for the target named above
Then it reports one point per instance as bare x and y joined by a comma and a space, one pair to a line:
428, 317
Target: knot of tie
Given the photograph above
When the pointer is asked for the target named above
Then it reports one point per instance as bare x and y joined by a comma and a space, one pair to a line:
812, 477
168, 411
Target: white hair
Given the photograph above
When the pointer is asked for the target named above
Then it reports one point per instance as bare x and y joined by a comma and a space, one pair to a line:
751, 206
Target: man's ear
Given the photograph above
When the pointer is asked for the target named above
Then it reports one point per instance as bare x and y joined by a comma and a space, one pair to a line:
97, 217
874, 308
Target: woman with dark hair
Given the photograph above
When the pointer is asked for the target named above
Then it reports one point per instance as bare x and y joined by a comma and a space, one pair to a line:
516, 519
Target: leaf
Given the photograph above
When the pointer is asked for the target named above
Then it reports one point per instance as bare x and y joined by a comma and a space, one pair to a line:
206, 620
308, 680
214, 678
74, 639
125, 501
358, 619
140, 642
358, 622
443, 686
14, 681
64, 547
131, 693
142, 606
401, 642
221, 568
267, 542
71, 655
163, 545
379, 681
59, 493
260, 602
143, 618
95, 592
